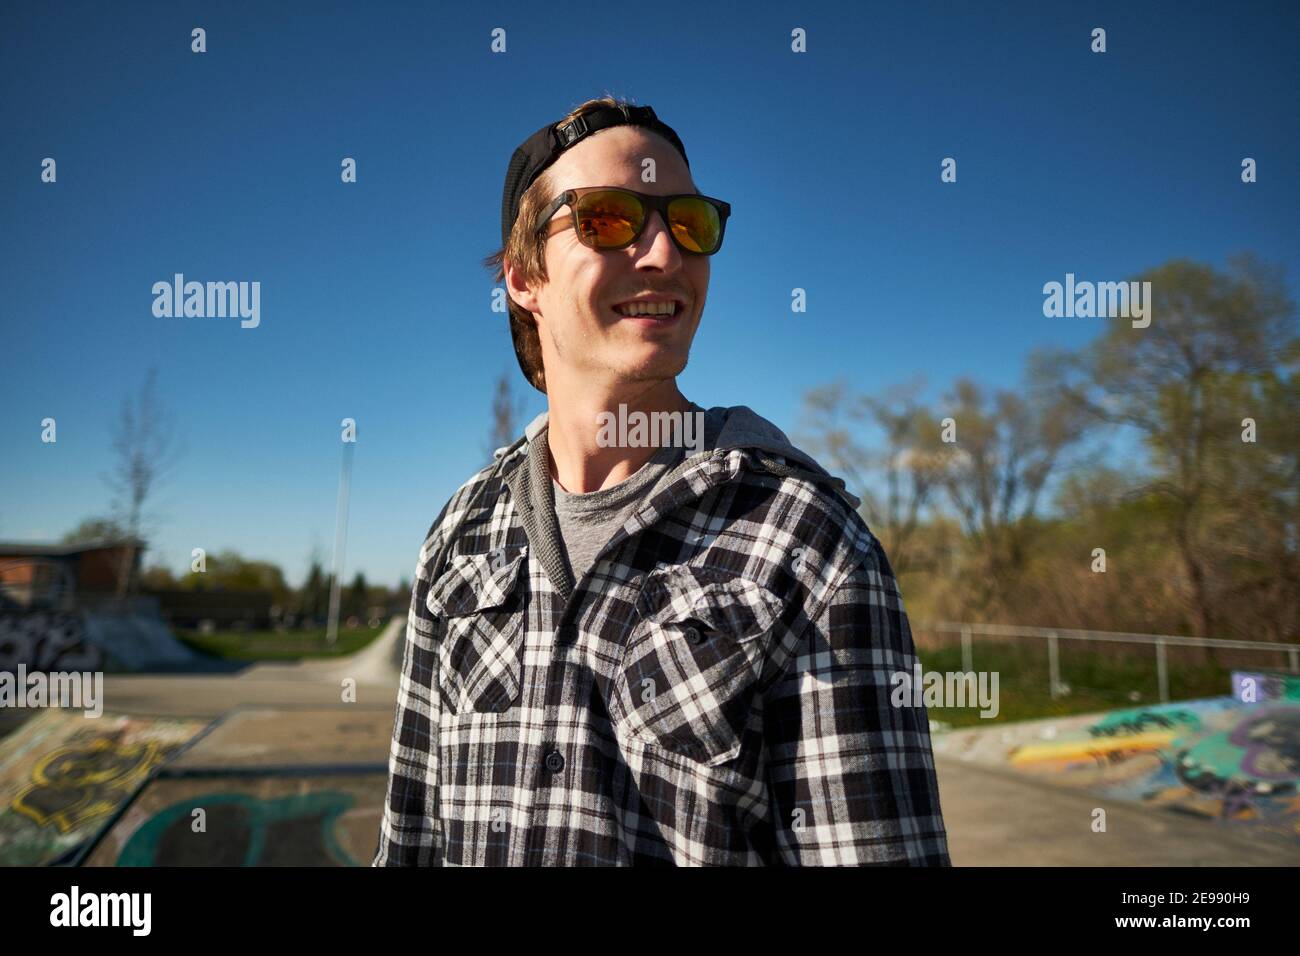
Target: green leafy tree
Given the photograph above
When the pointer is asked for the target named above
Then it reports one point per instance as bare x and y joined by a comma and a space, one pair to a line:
313, 596
1221, 348
357, 598
229, 571
105, 530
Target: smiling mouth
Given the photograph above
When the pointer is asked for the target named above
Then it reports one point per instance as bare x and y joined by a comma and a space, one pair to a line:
656, 313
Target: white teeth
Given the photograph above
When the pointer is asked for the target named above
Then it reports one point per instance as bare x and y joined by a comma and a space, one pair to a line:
647, 308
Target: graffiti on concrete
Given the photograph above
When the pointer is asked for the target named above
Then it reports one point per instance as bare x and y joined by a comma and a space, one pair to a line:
1127, 723
1218, 758
62, 777
1253, 770
243, 830
47, 641
283, 818
73, 786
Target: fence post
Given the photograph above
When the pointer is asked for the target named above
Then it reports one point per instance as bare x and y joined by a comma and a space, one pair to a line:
967, 656
1053, 665
1162, 671
1295, 660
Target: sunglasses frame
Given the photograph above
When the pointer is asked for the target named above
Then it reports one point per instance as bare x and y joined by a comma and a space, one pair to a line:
649, 203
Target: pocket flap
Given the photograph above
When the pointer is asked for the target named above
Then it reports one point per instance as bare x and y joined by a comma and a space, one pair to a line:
476, 582
720, 600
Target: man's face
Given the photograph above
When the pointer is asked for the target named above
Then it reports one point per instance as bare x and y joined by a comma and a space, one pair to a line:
583, 337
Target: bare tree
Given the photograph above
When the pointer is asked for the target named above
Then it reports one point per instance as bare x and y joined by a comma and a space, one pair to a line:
506, 411
1006, 448
908, 464
143, 446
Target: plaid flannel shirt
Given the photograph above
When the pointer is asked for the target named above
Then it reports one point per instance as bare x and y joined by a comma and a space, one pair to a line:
714, 691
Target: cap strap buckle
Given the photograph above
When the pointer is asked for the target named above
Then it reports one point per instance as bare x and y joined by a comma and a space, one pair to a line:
572, 132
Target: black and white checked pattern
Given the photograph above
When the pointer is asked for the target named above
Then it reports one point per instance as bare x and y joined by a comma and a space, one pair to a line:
709, 698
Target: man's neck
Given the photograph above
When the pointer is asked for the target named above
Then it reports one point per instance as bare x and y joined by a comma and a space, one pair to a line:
578, 461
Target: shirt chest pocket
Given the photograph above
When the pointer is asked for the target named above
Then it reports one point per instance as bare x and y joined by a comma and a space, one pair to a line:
480, 599
690, 667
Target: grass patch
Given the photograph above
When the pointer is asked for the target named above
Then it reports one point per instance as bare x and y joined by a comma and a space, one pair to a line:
1097, 680
278, 645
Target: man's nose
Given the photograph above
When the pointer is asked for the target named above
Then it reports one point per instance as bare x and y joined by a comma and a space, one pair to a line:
655, 247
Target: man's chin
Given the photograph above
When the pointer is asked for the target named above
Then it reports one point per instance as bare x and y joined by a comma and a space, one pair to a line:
654, 368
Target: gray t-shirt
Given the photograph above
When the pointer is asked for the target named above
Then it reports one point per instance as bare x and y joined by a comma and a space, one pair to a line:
588, 521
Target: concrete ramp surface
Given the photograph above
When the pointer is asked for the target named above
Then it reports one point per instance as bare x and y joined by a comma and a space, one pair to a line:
263, 787
260, 738
137, 642
281, 819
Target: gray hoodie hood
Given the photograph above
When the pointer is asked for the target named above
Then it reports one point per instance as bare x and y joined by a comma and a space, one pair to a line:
742, 428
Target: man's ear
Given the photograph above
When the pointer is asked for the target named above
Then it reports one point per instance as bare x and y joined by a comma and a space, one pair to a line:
518, 290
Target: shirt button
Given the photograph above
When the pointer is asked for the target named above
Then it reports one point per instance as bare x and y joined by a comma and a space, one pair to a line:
694, 635
555, 761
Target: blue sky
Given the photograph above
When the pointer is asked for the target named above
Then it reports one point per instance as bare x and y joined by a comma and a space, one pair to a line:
225, 166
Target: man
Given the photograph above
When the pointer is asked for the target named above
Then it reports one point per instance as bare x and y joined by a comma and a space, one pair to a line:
619, 653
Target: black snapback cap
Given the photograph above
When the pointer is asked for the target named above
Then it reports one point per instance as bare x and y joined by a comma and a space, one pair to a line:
545, 146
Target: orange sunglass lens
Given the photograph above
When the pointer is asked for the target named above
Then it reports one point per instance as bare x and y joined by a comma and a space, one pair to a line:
695, 223
609, 218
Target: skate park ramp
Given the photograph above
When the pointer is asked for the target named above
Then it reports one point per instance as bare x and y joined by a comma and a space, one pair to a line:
1232, 761
138, 642
264, 787
379, 663
63, 775
277, 782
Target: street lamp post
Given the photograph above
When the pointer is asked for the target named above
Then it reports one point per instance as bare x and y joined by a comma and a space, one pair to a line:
340, 544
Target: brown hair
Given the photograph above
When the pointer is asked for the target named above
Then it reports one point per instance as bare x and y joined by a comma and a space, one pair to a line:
526, 249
